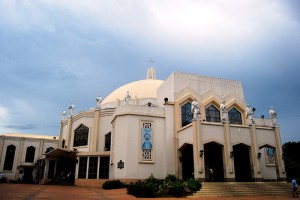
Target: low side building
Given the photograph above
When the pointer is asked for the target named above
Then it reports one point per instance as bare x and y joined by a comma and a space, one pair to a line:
22, 154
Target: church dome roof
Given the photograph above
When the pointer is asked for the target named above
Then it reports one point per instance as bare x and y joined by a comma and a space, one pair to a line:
140, 89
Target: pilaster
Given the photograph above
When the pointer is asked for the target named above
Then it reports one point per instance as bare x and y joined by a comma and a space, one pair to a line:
69, 133
195, 148
257, 176
279, 159
21, 150
201, 167
60, 135
95, 131
229, 165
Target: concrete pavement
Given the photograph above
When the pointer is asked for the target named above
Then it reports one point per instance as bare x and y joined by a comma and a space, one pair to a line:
43, 192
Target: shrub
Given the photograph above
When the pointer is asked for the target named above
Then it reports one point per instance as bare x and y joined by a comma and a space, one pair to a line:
142, 189
153, 187
194, 184
113, 184
177, 189
171, 178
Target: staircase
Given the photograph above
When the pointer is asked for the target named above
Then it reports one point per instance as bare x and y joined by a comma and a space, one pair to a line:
243, 188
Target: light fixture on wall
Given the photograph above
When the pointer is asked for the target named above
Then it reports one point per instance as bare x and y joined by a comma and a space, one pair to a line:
258, 155
201, 153
231, 154
166, 99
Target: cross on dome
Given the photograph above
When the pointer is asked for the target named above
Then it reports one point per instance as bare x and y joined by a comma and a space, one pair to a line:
151, 71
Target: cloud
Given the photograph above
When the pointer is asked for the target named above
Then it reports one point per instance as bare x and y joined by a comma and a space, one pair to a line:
22, 127
54, 52
207, 24
3, 114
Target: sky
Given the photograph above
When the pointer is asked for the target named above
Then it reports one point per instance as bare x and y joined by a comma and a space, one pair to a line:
57, 52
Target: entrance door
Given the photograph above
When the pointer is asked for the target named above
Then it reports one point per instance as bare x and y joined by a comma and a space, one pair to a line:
187, 162
104, 168
242, 164
213, 158
28, 175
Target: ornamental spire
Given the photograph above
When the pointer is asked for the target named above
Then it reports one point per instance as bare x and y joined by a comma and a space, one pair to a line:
151, 71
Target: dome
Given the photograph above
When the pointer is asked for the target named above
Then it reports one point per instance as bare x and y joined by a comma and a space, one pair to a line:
141, 89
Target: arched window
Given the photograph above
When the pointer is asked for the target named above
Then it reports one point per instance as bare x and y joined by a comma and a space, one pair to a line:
186, 114
212, 114
30, 154
235, 117
81, 136
9, 157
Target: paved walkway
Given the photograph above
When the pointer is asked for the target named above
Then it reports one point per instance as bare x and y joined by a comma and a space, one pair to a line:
44, 192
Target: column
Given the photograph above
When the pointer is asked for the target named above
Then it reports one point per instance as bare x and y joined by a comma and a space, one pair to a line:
257, 176
95, 131
280, 162
46, 170
69, 133
229, 169
201, 167
195, 148
60, 135
20, 154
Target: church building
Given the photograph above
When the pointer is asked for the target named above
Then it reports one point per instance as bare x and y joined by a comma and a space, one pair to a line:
188, 125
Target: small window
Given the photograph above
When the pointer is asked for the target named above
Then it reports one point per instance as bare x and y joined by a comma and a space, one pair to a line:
9, 157
186, 114
107, 142
212, 114
234, 116
30, 154
82, 167
81, 136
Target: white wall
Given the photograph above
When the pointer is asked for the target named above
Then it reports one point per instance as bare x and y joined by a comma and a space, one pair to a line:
128, 146
240, 135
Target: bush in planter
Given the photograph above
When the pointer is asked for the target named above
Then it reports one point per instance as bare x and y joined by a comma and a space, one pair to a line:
153, 187
171, 178
193, 184
143, 189
177, 188
113, 184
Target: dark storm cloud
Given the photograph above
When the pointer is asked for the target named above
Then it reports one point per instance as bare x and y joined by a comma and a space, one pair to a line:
53, 53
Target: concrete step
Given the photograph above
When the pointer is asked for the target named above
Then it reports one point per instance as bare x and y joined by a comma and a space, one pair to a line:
243, 188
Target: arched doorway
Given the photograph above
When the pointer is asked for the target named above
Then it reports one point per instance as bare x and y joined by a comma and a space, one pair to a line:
213, 158
187, 161
242, 165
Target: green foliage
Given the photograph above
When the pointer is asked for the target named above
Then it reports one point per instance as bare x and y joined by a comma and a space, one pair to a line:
194, 184
113, 184
292, 159
142, 189
171, 178
170, 186
177, 188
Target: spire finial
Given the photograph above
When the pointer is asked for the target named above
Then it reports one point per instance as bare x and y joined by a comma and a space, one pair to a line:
151, 61
151, 71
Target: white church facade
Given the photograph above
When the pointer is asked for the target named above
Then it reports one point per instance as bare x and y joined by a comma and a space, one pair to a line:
187, 125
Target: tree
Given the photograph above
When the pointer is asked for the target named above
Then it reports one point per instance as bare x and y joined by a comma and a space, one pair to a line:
291, 155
